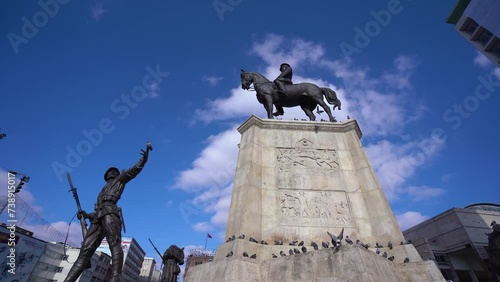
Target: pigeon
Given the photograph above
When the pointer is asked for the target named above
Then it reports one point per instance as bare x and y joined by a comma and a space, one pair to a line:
304, 249
384, 255
295, 250
274, 256
367, 246
242, 236
245, 254
348, 240
293, 243
314, 245
301, 243
391, 258
149, 146
377, 251
278, 242
290, 252
325, 245
254, 256
389, 245
336, 239
360, 243
377, 245
493, 223
282, 254
264, 242
252, 239
229, 254
407, 260
348, 117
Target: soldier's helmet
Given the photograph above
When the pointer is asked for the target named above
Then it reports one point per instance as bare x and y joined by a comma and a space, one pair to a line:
109, 170
284, 64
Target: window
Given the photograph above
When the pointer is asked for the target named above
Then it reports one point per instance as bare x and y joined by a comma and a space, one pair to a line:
496, 48
485, 37
469, 26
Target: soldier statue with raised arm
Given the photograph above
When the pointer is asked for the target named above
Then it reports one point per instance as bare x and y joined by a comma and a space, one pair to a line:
107, 221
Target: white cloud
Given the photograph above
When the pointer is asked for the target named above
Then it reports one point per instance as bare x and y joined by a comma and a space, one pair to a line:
97, 12
420, 193
212, 80
202, 226
215, 166
394, 163
154, 89
409, 219
482, 61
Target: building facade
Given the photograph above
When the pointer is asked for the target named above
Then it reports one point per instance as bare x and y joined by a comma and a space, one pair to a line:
20, 253
148, 266
456, 240
133, 256
99, 265
197, 259
478, 21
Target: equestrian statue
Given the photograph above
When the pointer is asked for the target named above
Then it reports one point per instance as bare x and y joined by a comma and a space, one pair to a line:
283, 93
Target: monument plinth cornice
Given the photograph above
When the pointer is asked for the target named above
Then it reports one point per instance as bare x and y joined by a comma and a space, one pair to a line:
316, 126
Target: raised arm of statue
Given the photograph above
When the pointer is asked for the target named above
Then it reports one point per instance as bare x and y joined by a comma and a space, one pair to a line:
131, 173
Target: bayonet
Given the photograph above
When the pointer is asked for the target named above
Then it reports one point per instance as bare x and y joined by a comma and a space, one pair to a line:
83, 223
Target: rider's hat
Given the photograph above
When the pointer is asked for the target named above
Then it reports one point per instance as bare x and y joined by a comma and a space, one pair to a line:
285, 64
109, 170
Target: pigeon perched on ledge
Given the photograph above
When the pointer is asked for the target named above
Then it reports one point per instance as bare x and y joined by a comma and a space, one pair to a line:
348, 240
314, 245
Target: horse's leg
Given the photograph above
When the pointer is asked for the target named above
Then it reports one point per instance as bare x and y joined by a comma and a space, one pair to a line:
308, 108
279, 111
325, 107
268, 105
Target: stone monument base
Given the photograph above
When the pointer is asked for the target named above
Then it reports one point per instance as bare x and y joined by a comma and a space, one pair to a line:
348, 263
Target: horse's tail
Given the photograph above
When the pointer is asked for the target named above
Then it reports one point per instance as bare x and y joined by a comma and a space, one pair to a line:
331, 97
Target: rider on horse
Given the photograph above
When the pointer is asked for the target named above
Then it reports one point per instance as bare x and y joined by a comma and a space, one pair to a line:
285, 78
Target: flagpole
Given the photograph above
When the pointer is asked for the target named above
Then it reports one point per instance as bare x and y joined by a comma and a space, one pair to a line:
206, 240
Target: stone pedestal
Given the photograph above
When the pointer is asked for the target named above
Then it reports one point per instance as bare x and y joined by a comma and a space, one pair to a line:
296, 180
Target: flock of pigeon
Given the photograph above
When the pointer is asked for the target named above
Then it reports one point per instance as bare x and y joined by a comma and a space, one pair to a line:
335, 244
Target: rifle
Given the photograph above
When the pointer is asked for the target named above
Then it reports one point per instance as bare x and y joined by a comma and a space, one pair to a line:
83, 223
156, 249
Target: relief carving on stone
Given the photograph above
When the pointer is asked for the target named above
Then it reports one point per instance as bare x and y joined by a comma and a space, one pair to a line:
314, 207
306, 155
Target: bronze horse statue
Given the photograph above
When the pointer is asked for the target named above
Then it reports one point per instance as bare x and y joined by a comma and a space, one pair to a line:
306, 95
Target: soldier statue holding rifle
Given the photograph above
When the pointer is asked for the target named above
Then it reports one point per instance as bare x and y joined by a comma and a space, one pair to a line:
106, 220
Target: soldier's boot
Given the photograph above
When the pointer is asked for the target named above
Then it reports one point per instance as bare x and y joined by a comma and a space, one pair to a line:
75, 271
116, 266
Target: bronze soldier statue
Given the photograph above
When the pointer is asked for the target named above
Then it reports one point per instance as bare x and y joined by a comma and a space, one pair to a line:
172, 258
285, 78
494, 251
107, 220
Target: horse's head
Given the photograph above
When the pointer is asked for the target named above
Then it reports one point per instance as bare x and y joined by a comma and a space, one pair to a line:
246, 80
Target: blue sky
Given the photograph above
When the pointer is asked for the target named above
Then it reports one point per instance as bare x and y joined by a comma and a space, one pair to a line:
97, 79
